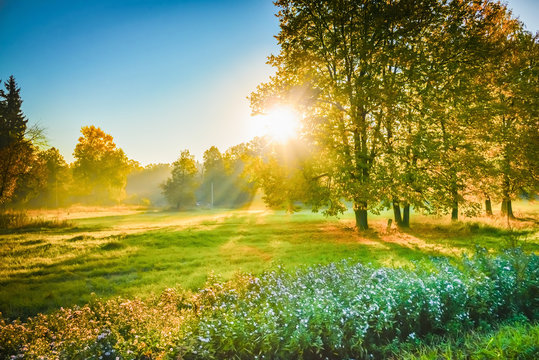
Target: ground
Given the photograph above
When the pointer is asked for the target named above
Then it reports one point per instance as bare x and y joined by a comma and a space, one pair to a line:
133, 252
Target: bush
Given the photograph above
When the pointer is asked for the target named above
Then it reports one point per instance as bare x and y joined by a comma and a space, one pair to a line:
343, 310
353, 311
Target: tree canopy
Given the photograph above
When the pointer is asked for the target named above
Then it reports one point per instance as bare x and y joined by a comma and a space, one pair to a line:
180, 188
394, 97
100, 168
16, 151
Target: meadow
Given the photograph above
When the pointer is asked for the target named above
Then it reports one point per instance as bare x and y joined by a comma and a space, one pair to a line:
129, 283
137, 253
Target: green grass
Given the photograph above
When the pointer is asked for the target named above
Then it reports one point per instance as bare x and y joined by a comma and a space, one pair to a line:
511, 341
141, 254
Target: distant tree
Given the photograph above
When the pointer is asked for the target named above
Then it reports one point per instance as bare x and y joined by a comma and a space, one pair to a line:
16, 148
57, 180
46, 183
214, 179
100, 169
31, 184
179, 189
286, 171
237, 160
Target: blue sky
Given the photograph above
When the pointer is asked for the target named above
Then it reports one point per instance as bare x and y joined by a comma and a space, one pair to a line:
160, 76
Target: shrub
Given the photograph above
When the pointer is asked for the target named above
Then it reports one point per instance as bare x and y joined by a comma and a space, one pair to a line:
350, 310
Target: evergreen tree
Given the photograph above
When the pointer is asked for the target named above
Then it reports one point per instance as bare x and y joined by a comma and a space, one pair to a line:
12, 120
15, 151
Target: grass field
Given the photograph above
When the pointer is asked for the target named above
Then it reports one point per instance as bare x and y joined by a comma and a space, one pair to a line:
134, 253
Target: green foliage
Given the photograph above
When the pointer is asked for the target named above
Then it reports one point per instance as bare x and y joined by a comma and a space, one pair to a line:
16, 151
341, 310
100, 169
428, 103
179, 189
348, 310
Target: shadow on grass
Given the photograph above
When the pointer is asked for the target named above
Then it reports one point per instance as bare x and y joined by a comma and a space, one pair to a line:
468, 235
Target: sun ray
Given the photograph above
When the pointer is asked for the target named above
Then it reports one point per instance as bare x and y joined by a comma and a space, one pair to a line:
280, 123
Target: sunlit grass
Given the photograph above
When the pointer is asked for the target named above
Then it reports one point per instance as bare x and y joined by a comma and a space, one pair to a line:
138, 254
510, 341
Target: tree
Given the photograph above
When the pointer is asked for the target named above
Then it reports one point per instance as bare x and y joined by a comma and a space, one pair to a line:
16, 150
237, 160
512, 127
179, 189
337, 62
281, 174
445, 106
13, 123
57, 179
214, 183
100, 169
30, 184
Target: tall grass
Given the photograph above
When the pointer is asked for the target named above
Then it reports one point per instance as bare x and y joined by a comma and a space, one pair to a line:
19, 220
515, 340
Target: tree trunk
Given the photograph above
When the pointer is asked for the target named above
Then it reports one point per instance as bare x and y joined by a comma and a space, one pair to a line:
360, 211
397, 213
488, 206
455, 213
507, 208
455, 206
406, 216
510, 209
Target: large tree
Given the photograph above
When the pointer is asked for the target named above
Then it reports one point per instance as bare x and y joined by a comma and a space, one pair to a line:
100, 169
513, 134
341, 57
455, 98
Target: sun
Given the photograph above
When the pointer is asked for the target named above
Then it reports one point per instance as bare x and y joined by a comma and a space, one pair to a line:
281, 123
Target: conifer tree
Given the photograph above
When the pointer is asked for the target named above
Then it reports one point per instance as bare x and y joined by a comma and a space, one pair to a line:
15, 150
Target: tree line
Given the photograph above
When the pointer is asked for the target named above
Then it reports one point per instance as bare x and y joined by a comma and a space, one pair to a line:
32, 175
429, 104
